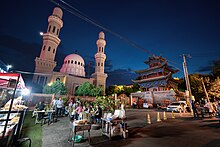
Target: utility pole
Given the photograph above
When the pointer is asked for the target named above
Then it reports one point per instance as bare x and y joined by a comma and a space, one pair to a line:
187, 81
207, 96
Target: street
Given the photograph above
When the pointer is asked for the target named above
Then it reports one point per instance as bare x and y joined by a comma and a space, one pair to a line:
182, 131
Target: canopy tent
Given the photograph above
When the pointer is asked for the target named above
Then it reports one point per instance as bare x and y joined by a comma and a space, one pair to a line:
9, 80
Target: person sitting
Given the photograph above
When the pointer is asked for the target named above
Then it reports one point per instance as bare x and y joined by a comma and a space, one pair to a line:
40, 107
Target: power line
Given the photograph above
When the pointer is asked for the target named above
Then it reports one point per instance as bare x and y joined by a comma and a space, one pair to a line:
71, 9
88, 19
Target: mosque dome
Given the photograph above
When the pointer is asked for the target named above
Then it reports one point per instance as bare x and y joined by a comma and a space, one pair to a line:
73, 64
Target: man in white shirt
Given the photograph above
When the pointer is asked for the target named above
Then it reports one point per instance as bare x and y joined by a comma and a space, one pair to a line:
59, 105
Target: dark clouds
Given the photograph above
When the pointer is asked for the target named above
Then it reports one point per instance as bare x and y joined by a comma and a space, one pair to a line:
120, 77
18, 52
205, 69
117, 76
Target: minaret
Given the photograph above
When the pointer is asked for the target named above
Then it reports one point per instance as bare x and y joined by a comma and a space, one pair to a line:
99, 75
45, 63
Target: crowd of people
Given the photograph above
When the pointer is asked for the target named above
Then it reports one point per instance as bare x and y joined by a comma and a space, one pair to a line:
78, 111
75, 109
210, 108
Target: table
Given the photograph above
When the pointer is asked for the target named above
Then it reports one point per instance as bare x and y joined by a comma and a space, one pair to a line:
37, 121
77, 128
107, 127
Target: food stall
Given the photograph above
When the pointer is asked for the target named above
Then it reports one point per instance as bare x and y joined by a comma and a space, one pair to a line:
114, 125
12, 110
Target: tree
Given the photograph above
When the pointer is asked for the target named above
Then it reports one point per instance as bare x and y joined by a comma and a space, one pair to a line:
215, 89
87, 89
84, 89
97, 91
114, 89
195, 85
56, 88
106, 103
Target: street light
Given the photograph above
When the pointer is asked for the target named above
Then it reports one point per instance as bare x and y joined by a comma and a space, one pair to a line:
41, 33
8, 67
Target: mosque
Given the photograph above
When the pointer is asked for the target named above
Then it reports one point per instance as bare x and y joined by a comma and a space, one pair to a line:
72, 72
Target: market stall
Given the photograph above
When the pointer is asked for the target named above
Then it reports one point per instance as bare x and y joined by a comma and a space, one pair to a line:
12, 110
114, 125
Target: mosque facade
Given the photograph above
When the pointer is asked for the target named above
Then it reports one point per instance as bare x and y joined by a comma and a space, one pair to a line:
72, 72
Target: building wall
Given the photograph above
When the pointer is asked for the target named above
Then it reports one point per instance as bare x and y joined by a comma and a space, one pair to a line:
155, 97
70, 81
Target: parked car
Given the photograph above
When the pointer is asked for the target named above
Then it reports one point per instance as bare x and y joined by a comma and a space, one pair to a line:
147, 105
177, 107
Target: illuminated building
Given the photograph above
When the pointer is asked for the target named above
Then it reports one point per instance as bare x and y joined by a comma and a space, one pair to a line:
158, 77
72, 72
156, 82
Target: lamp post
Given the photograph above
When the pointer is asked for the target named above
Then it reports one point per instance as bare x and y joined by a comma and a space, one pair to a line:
41, 33
8, 67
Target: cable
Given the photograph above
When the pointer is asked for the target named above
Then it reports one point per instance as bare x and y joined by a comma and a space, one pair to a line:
87, 19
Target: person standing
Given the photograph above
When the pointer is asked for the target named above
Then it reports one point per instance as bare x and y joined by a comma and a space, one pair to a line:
195, 112
98, 114
59, 106
78, 112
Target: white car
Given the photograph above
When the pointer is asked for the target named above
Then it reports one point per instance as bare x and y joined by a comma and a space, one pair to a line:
176, 107
147, 105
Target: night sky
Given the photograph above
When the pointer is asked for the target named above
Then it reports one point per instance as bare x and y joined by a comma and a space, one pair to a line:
162, 27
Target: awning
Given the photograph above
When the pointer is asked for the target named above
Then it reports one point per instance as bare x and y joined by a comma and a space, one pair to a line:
6, 78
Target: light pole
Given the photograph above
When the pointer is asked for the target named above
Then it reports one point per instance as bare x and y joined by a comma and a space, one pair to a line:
41, 33
8, 67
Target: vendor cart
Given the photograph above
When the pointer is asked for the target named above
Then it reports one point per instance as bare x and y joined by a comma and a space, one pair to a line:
116, 127
11, 115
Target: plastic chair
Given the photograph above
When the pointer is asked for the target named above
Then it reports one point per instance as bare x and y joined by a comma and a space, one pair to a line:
22, 140
49, 117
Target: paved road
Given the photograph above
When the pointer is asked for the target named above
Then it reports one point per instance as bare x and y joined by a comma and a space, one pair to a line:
182, 131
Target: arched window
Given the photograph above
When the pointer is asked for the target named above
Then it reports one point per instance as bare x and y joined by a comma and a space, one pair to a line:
71, 61
44, 47
58, 31
54, 28
49, 48
65, 62
102, 49
98, 64
78, 63
53, 50
101, 64
68, 61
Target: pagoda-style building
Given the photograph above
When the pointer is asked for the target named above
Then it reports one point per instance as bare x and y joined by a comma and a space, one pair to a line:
158, 77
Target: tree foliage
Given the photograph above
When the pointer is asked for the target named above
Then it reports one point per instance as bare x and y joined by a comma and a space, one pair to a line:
196, 85
114, 89
87, 89
56, 88
106, 103
214, 90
